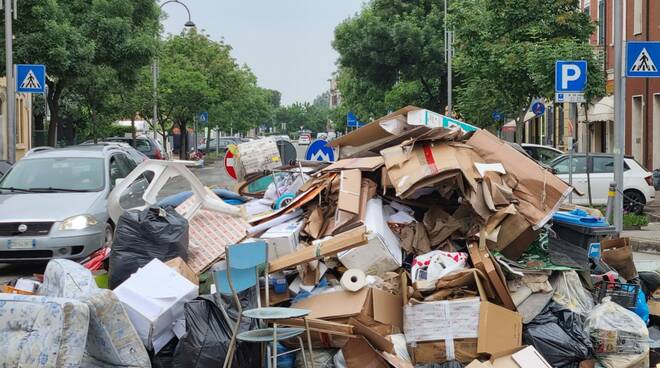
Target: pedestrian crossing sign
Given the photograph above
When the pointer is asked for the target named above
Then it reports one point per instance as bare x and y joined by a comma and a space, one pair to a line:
30, 78
643, 59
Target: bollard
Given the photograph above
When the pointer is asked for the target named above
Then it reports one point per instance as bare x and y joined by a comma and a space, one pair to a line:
611, 193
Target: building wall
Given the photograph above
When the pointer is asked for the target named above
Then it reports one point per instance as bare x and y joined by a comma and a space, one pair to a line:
23, 123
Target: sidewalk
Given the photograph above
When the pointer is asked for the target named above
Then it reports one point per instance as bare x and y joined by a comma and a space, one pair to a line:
645, 240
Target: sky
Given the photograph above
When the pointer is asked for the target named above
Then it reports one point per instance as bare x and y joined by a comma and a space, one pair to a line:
286, 43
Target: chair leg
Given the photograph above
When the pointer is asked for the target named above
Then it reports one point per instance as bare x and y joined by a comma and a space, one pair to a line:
268, 360
309, 342
274, 355
302, 350
232, 343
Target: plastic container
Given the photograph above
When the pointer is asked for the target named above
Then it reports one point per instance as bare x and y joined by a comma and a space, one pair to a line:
624, 295
581, 229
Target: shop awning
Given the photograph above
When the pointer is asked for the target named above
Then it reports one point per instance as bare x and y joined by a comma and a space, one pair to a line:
602, 110
510, 126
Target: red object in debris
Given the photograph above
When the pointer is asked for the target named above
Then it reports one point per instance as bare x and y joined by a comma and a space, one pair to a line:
95, 260
229, 164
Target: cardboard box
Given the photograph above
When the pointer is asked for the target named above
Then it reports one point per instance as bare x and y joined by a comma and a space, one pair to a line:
525, 357
473, 325
183, 269
618, 254
483, 261
154, 298
368, 304
257, 156
382, 252
283, 239
348, 204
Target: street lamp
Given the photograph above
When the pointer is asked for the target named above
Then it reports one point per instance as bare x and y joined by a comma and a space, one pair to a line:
154, 67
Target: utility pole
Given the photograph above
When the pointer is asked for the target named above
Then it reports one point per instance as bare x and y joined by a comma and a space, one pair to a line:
11, 91
619, 112
449, 40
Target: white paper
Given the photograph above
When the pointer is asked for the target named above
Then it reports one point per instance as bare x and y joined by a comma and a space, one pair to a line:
441, 320
483, 168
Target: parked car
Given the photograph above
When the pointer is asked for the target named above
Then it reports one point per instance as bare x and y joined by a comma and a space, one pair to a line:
53, 202
143, 143
4, 167
544, 154
637, 181
132, 153
218, 143
305, 139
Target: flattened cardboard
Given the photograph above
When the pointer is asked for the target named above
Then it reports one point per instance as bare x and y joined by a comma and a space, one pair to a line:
367, 191
183, 269
349, 191
377, 340
499, 329
370, 132
482, 260
540, 193
618, 254
522, 357
376, 304
360, 163
358, 353
465, 350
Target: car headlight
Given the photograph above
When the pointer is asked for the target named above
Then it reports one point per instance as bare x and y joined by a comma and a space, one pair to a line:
78, 222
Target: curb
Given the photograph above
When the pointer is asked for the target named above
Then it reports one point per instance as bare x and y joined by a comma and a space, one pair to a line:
645, 245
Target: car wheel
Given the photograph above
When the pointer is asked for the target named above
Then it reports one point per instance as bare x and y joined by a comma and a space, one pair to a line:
633, 201
109, 235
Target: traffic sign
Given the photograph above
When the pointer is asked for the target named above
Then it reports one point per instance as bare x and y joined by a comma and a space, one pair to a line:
497, 116
319, 151
31, 78
643, 59
229, 161
538, 108
570, 97
203, 117
570, 76
352, 121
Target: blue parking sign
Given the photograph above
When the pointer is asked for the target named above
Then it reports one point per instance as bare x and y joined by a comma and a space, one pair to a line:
570, 76
30, 78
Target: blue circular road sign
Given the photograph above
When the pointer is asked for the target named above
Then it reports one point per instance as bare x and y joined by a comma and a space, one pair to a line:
319, 151
538, 108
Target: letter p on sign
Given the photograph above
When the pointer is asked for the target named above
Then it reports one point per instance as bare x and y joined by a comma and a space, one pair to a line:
570, 76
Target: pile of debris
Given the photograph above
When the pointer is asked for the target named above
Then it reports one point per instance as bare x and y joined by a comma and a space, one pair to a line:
429, 243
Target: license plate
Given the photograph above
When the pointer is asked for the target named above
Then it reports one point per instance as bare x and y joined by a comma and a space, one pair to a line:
21, 243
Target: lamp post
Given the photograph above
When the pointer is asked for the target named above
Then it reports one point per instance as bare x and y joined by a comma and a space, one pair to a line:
154, 66
9, 73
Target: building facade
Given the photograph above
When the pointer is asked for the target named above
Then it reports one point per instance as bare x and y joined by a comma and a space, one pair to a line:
23, 123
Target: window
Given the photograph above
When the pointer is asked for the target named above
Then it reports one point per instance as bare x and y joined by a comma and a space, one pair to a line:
579, 165
546, 155
637, 17
142, 145
115, 170
72, 173
603, 165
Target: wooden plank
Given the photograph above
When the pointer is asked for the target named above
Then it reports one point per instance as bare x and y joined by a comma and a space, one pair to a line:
347, 240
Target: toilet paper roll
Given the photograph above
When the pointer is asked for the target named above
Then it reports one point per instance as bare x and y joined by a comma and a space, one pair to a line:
353, 279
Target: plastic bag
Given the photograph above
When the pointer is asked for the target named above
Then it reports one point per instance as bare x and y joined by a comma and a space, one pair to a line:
323, 358
165, 357
435, 264
619, 336
558, 336
141, 236
208, 332
570, 293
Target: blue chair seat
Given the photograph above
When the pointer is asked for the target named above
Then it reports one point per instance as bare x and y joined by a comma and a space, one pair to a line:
275, 313
266, 334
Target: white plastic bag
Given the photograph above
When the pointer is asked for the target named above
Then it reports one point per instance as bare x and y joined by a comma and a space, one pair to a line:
435, 264
570, 293
620, 338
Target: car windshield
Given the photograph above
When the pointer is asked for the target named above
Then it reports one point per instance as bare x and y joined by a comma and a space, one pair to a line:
56, 174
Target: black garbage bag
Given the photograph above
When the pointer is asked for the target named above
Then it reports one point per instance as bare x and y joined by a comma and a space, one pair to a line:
208, 332
165, 357
558, 335
141, 236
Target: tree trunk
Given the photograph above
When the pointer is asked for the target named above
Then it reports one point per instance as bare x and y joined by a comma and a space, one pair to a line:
53, 98
183, 148
133, 129
208, 139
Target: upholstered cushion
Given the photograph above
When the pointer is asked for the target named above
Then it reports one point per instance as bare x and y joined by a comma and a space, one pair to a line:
112, 339
38, 331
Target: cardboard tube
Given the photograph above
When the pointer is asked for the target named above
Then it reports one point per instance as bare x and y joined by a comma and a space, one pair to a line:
353, 280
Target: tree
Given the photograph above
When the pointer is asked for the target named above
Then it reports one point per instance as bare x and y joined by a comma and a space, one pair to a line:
392, 54
505, 53
75, 37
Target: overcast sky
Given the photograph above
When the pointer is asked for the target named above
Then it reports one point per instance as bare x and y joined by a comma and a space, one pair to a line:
286, 43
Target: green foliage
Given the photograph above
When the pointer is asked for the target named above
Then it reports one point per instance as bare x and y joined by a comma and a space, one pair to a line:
633, 219
391, 54
506, 51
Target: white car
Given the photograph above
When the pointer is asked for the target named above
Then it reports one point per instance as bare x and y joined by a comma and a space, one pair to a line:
638, 187
541, 153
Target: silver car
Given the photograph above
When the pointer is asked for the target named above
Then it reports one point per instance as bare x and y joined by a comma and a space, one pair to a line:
53, 202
